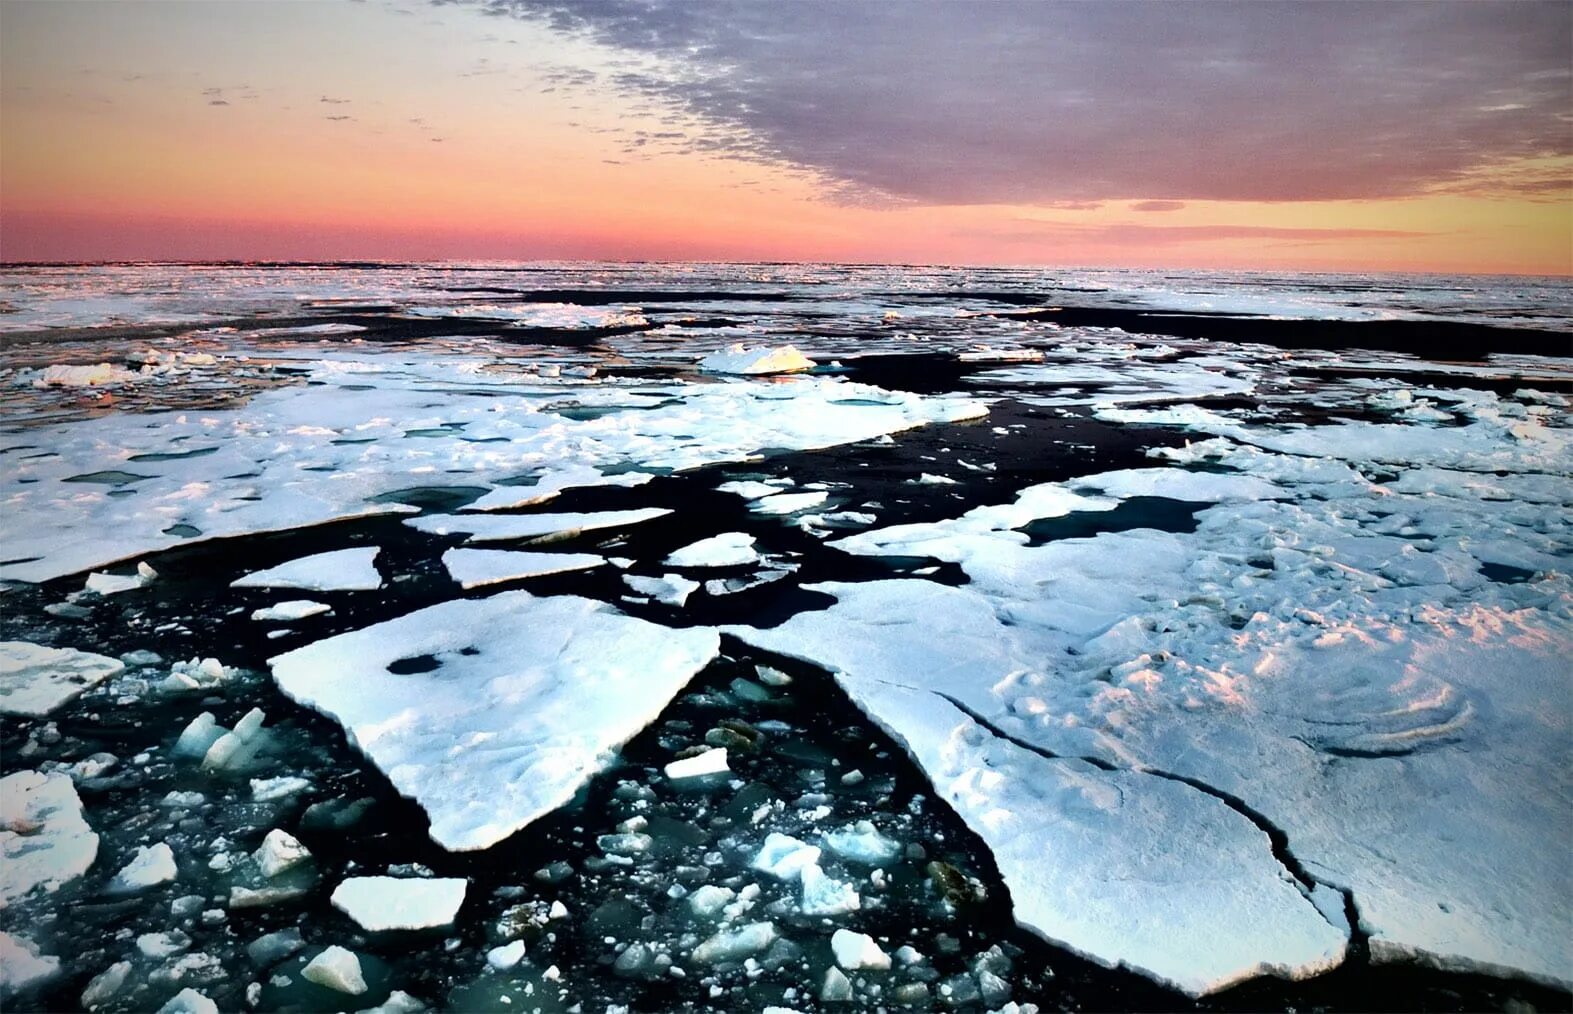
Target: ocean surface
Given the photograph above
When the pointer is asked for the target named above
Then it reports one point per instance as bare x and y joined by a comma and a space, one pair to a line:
1086, 639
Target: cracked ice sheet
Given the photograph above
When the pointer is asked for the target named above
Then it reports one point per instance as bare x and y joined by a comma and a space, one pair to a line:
383, 422
1339, 662
1120, 381
493, 740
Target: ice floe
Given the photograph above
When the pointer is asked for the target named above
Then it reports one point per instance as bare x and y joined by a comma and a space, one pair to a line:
340, 570
531, 698
289, 611
475, 568
530, 527
381, 904
23, 966
35, 680
729, 549
742, 359
44, 838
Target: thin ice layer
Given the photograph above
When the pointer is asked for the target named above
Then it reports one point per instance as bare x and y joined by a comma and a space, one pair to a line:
528, 699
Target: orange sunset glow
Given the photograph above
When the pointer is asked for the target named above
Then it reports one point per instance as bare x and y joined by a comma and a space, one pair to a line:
1310, 136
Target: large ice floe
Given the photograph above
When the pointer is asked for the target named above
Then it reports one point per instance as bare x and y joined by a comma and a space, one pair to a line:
119, 486
44, 840
1319, 691
35, 680
523, 699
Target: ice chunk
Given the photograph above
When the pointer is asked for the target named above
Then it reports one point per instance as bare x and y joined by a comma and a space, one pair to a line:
398, 1002
152, 865
729, 549
473, 568
857, 950
44, 839
341, 570
104, 985
735, 944
35, 680
236, 748
783, 856
707, 900
700, 765
836, 988
196, 674
824, 895
530, 527
285, 612
671, 589
862, 843
265, 790
789, 503
742, 359
379, 904
189, 1001
337, 969
531, 698
114, 584
101, 375
507, 956
198, 736
22, 966
280, 851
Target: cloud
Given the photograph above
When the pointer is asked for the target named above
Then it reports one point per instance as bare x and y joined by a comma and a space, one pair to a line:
334, 102
1157, 205
969, 103
1130, 233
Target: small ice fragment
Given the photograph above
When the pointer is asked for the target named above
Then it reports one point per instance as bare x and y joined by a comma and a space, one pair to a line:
189, 1001
151, 866
235, 748
338, 969
708, 900
857, 950
789, 503
862, 843
837, 987
505, 957
742, 359
294, 609
711, 762
105, 985
824, 895
265, 790
279, 851
735, 945
784, 856
380, 904
113, 584
271, 948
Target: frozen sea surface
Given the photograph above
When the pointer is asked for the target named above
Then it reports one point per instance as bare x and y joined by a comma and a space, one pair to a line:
1060, 639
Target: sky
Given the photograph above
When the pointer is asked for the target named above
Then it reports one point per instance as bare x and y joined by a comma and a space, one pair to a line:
1342, 136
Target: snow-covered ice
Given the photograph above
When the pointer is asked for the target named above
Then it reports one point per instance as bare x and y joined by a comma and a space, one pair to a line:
289, 611
742, 359
729, 549
35, 680
380, 904
340, 570
150, 866
531, 698
475, 568
337, 969
23, 966
44, 839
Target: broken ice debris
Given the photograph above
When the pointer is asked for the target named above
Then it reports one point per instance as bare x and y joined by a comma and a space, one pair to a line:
196, 674
736, 944
783, 856
337, 969
857, 950
340, 570
862, 843
518, 701
235, 749
44, 840
824, 895
741, 359
381, 904
700, 765
152, 865
729, 549
35, 680
473, 568
278, 852
189, 1001
285, 612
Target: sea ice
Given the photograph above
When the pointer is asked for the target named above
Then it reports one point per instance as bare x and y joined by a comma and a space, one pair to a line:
340, 570
735, 944
855, 950
729, 549
700, 765
741, 359
824, 895
529, 699
863, 844
551, 484
152, 865
286, 612
189, 1001
784, 856
35, 680
278, 852
475, 568
670, 589
531, 527
337, 969
43, 837
380, 904
22, 966
789, 503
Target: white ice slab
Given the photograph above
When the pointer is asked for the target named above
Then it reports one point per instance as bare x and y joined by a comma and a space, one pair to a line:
743, 359
341, 570
35, 680
729, 549
550, 485
475, 568
294, 609
497, 738
381, 904
44, 839
530, 527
